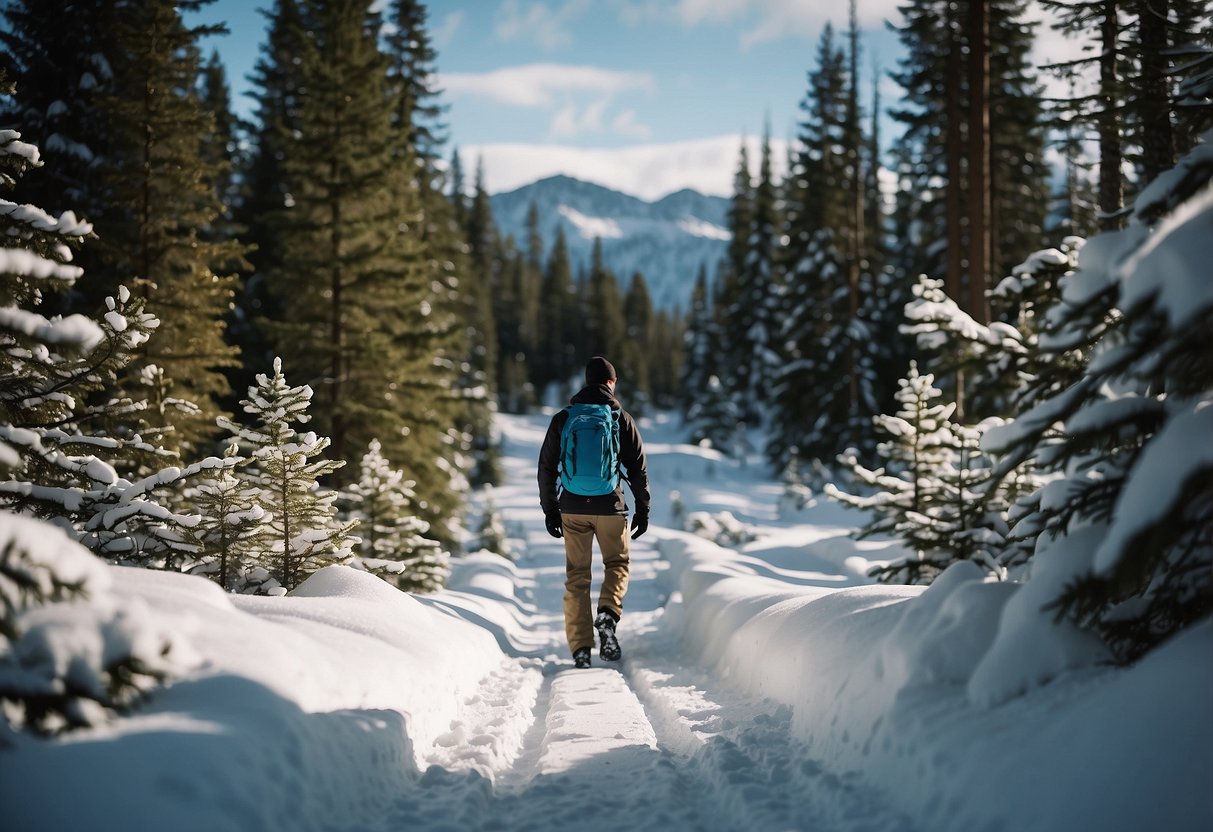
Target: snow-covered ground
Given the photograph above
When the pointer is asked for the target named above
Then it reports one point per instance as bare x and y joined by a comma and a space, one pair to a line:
767, 686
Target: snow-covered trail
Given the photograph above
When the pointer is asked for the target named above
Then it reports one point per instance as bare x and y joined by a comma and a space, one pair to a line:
645, 743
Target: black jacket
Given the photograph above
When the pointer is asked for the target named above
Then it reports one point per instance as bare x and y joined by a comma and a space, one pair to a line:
631, 457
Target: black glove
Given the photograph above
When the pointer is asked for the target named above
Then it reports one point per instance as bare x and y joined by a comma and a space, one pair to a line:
552, 521
640, 524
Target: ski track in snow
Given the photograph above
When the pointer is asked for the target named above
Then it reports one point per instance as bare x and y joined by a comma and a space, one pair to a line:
645, 743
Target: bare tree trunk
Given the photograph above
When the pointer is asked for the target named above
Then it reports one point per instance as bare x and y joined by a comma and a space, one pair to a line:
979, 161
1111, 181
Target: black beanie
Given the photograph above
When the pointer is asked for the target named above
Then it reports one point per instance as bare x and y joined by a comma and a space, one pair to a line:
599, 371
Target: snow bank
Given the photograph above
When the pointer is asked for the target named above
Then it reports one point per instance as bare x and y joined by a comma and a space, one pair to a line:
880, 678
300, 707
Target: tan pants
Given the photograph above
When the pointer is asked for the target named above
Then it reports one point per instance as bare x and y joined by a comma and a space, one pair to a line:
579, 533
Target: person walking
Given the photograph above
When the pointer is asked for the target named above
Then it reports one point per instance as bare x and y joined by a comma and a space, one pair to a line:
587, 447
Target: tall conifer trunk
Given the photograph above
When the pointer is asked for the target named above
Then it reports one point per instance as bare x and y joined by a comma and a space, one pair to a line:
1157, 138
954, 153
979, 160
1111, 179
855, 260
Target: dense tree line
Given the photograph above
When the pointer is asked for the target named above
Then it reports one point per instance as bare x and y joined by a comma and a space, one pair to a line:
319, 239
987, 398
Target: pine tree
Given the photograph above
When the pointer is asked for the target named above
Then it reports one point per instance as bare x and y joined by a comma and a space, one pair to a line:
303, 530
62, 463
160, 204
393, 538
56, 55
750, 316
453, 403
1125, 520
905, 492
232, 524
944, 129
701, 348
557, 318
603, 321
52, 685
491, 532
637, 350
825, 362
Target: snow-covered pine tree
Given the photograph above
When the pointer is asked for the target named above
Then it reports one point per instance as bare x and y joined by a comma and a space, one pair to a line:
304, 531
491, 533
761, 285
393, 538
823, 395
986, 357
60, 465
796, 495
700, 346
1126, 520
903, 492
230, 533
69, 653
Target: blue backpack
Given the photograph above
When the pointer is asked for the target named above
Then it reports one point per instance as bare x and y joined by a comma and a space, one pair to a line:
589, 450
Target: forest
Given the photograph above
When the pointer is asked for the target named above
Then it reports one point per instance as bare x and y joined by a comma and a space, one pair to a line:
250, 349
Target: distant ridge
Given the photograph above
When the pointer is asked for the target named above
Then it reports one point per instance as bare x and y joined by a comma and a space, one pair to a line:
666, 240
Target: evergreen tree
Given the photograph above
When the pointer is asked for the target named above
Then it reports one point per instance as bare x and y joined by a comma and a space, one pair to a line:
557, 318
355, 283
751, 316
303, 531
491, 532
926, 494
55, 52
942, 110
638, 354
231, 526
824, 392
160, 204
52, 685
483, 247
457, 407
667, 359
61, 461
701, 348
393, 541
602, 321
1124, 521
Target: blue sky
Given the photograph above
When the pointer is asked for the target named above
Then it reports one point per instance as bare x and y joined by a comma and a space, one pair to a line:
644, 95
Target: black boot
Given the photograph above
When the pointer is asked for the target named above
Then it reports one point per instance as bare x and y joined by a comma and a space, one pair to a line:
581, 657
608, 645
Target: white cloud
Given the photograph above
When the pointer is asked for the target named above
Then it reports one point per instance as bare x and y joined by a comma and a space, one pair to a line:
767, 20
625, 124
541, 85
647, 171
444, 32
577, 97
547, 27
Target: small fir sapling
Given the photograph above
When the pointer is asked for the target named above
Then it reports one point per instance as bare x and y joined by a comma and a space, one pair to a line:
392, 537
492, 533
304, 532
230, 534
904, 493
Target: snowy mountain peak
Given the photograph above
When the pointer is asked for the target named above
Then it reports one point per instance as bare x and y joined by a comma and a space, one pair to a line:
666, 240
